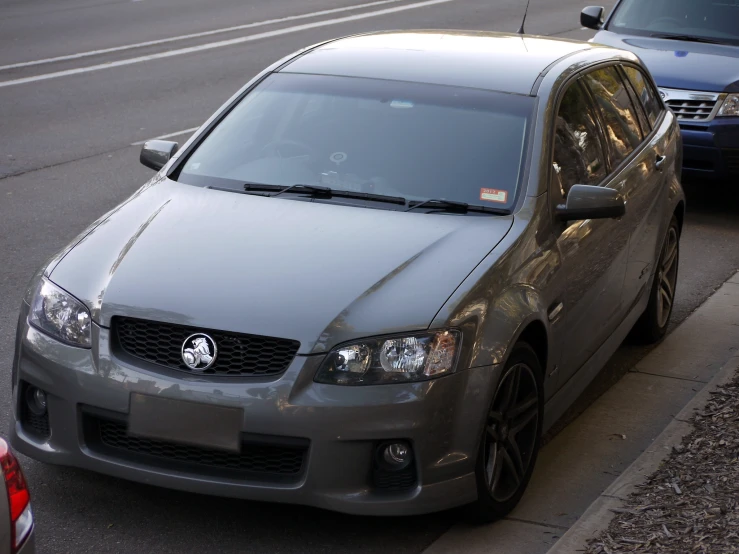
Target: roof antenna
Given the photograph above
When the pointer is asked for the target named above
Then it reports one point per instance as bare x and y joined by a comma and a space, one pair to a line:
521, 31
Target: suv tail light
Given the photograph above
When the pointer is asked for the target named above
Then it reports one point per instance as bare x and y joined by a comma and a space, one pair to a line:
21, 517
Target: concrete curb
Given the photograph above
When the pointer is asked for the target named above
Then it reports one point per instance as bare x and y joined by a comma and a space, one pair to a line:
599, 514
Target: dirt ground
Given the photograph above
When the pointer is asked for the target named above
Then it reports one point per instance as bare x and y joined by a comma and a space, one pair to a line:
691, 504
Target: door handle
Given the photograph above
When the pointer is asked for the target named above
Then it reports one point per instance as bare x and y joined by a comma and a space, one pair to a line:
659, 164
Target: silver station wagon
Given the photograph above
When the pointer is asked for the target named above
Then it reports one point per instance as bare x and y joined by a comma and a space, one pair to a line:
369, 282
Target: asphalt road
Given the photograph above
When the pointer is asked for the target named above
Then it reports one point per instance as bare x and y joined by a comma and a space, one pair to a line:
66, 157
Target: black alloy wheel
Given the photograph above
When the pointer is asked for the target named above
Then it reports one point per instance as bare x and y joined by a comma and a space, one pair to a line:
652, 326
511, 437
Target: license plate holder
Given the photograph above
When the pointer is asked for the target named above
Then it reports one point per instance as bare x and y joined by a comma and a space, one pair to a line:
186, 422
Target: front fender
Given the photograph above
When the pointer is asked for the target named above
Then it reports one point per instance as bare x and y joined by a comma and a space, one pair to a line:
500, 323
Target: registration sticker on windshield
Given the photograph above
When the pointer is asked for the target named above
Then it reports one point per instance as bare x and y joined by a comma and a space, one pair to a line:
494, 195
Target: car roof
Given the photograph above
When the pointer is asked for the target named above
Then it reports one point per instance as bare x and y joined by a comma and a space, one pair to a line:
485, 60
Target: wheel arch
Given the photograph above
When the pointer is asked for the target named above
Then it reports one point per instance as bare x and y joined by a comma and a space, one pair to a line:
535, 334
517, 313
680, 215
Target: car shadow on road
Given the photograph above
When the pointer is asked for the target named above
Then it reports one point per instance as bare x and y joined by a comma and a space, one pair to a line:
104, 514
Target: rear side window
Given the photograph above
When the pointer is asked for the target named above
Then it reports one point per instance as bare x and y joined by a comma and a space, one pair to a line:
619, 116
645, 92
646, 128
578, 155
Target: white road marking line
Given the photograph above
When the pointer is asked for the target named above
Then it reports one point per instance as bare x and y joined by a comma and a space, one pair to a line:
196, 35
220, 44
168, 135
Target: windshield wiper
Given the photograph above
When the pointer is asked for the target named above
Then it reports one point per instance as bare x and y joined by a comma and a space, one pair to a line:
251, 188
323, 192
369, 196
298, 188
456, 207
305, 188
687, 38
315, 192
237, 191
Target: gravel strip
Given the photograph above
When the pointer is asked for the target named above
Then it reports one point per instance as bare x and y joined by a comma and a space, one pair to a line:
691, 504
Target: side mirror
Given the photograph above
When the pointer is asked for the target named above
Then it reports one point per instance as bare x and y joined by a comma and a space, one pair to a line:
156, 153
589, 202
593, 17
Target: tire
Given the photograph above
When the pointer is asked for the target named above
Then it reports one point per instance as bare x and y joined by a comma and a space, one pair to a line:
652, 325
510, 427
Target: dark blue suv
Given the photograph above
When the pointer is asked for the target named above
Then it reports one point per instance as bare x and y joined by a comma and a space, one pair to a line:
691, 47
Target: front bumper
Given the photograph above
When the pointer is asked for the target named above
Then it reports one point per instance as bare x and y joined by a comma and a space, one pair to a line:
341, 426
711, 150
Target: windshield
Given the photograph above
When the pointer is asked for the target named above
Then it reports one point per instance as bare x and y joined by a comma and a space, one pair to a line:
715, 20
409, 140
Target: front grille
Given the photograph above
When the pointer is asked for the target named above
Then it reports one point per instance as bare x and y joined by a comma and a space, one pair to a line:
36, 424
279, 459
238, 355
692, 110
732, 160
394, 481
33, 424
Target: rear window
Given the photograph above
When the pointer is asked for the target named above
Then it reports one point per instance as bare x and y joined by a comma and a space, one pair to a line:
623, 133
645, 92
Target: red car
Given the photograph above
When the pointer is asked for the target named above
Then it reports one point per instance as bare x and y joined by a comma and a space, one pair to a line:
16, 518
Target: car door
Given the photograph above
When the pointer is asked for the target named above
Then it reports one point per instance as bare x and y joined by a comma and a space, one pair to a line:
594, 252
648, 196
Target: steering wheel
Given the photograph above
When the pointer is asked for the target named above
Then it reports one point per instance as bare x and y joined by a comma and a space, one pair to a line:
672, 20
274, 148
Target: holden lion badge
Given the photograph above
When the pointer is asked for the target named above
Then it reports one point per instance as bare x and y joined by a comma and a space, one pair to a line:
199, 352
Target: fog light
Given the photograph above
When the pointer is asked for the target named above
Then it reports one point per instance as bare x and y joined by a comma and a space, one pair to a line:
36, 400
396, 455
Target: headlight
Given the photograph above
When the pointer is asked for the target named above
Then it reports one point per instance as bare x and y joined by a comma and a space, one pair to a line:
730, 107
392, 359
60, 315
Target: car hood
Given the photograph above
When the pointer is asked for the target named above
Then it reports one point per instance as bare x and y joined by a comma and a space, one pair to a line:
682, 65
315, 272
